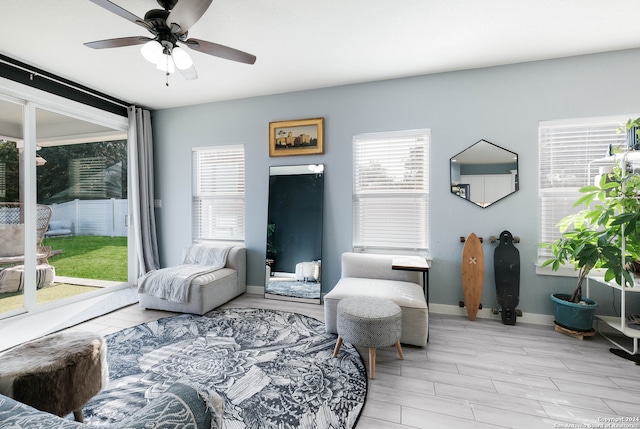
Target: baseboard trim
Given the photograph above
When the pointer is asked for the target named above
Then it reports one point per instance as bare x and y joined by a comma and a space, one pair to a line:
255, 290
487, 313
456, 310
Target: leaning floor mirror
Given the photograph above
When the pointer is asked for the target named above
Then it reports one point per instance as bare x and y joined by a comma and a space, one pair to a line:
294, 233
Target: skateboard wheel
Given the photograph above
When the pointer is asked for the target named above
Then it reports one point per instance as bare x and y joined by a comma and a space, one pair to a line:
461, 303
493, 239
508, 317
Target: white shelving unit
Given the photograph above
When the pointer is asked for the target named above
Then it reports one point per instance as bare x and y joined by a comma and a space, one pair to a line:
618, 323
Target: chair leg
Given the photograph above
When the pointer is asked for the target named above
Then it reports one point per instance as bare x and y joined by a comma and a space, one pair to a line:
338, 345
372, 363
399, 348
77, 414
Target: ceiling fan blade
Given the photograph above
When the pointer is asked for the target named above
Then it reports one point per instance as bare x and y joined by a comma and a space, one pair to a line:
220, 51
112, 7
186, 13
118, 43
189, 74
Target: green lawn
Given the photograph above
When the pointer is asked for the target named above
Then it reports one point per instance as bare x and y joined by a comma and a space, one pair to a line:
90, 257
87, 257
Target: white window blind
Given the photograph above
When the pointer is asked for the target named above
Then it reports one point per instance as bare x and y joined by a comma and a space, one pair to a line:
87, 177
570, 153
391, 190
218, 193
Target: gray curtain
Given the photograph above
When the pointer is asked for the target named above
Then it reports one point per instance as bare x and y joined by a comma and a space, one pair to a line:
141, 185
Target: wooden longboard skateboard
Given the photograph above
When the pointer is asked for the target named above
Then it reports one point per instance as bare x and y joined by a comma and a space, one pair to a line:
472, 274
506, 264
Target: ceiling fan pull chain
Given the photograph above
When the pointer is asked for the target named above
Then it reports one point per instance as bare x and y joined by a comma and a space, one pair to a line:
167, 73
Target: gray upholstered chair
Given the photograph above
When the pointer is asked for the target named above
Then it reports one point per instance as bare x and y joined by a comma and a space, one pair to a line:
209, 290
371, 275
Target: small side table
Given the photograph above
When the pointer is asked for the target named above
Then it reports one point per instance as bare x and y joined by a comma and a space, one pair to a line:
414, 263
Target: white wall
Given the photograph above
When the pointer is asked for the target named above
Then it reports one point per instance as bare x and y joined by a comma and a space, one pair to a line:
500, 104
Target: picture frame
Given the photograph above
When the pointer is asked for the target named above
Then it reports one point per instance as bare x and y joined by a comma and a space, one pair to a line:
296, 137
464, 191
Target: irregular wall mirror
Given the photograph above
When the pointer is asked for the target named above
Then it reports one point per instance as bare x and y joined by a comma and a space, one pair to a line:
294, 233
484, 173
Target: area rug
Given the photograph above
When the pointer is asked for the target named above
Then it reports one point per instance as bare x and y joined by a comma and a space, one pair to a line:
294, 289
274, 369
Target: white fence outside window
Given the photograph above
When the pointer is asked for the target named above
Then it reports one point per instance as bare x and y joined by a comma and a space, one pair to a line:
94, 217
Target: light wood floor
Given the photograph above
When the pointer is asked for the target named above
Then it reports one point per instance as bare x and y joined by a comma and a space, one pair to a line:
479, 374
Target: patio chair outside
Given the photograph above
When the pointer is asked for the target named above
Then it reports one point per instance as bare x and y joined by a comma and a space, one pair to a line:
12, 233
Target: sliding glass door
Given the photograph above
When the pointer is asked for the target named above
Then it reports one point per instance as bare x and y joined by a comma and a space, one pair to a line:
12, 215
63, 204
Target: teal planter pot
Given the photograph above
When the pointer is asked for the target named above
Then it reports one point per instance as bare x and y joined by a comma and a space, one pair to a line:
576, 317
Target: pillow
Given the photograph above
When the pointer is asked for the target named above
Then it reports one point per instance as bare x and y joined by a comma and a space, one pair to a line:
183, 406
14, 414
59, 224
12, 239
206, 255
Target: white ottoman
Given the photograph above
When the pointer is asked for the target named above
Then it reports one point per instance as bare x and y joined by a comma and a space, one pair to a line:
12, 278
369, 322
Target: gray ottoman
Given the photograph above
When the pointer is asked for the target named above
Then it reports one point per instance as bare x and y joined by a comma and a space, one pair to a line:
369, 322
58, 373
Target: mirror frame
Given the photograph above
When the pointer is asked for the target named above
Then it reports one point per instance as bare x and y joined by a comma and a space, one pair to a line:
314, 264
492, 156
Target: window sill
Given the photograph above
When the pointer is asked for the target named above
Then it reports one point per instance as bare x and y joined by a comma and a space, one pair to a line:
564, 271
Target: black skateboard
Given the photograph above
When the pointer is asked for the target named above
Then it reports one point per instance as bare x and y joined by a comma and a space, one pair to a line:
506, 264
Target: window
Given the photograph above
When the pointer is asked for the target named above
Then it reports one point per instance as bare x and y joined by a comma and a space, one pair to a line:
391, 190
218, 193
87, 177
570, 153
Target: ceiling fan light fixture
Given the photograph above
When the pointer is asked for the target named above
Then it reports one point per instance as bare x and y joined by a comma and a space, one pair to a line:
165, 63
181, 58
152, 51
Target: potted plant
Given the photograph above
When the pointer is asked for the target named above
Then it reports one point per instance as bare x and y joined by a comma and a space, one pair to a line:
595, 238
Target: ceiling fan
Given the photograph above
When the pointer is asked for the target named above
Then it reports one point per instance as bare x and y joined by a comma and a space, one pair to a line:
170, 26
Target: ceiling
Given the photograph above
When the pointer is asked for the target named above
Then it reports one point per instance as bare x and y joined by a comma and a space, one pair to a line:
52, 129
306, 44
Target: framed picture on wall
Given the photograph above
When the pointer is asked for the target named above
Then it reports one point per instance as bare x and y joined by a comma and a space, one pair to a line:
464, 191
296, 137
